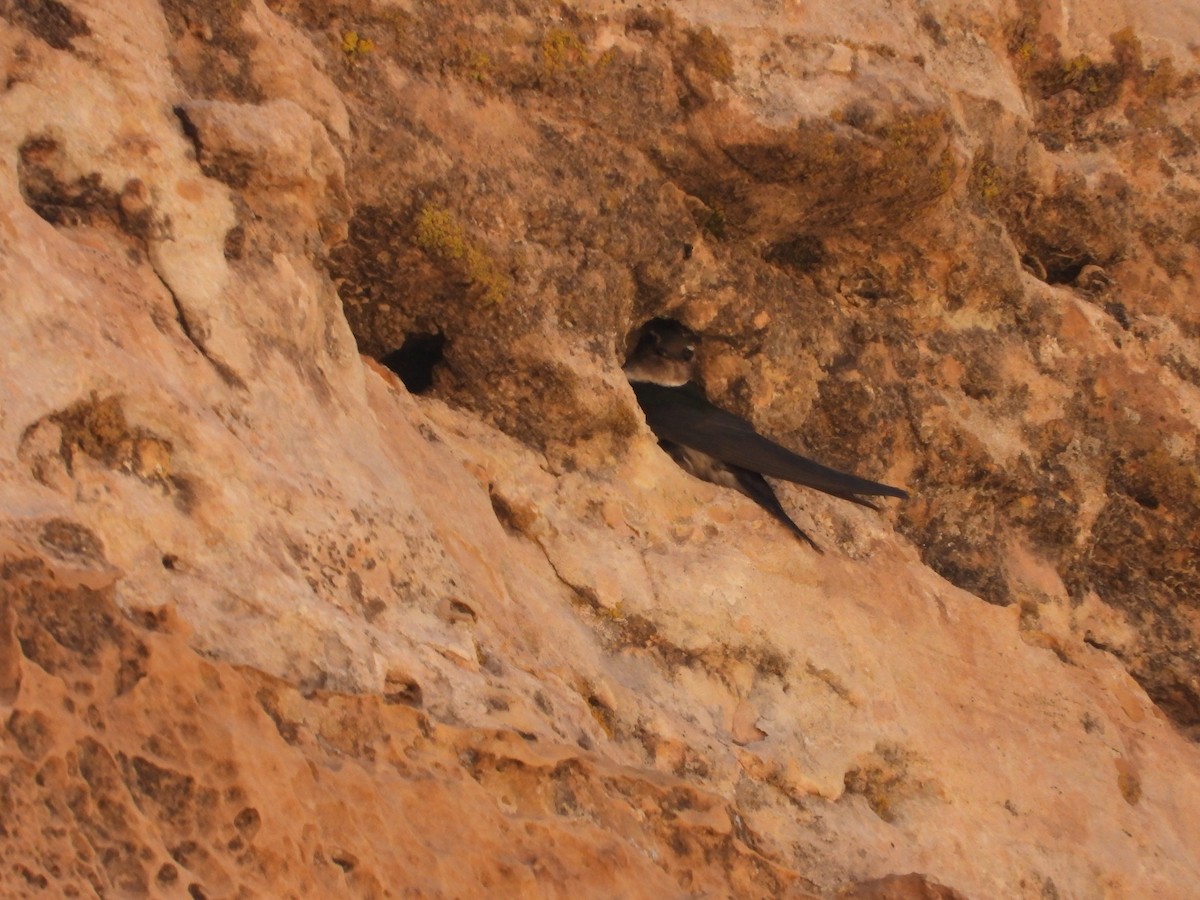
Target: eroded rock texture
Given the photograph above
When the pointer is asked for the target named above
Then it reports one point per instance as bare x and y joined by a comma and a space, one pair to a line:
273, 624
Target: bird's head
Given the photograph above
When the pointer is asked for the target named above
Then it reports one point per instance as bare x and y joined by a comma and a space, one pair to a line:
664, 353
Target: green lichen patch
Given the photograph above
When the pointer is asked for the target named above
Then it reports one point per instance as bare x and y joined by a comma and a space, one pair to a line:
562, 51
1074, 98
912, 154
441, 235
356, 46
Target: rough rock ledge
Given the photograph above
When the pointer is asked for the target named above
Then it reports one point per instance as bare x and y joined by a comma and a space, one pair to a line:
273, 625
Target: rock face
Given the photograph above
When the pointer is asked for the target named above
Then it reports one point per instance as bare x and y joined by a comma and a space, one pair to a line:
273, 624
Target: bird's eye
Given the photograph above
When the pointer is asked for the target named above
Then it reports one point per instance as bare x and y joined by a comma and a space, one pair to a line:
687, 354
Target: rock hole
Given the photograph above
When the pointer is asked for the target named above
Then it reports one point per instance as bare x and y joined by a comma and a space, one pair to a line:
189, 130
454, 611
32, 878
604, 714
235, 242
170, 561
1092, 641
1146, 501
345, 861
151, 618
401, 689
247, 821
416, 359
1065, 271
1119, 312
184, 852
802, 253
665, 336
514, 517
1034, 266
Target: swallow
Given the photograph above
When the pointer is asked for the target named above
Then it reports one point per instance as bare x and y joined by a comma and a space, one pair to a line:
717, 445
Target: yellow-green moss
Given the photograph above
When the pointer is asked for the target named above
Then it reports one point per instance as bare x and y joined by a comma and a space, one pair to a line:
478, 65
916, 131
908, 141
562, 51
440, 235
607, 58
356, 45
986, 179
616, 612
1023, 36
945, 171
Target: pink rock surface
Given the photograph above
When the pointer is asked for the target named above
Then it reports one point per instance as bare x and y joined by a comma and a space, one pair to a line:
270, 625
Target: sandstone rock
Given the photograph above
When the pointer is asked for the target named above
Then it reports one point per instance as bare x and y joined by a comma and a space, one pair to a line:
270, 623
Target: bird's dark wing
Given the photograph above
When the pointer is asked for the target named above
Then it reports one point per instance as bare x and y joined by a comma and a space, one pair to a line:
684, 415
756, 488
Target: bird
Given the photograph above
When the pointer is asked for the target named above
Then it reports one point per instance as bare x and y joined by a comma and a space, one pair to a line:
719, 446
